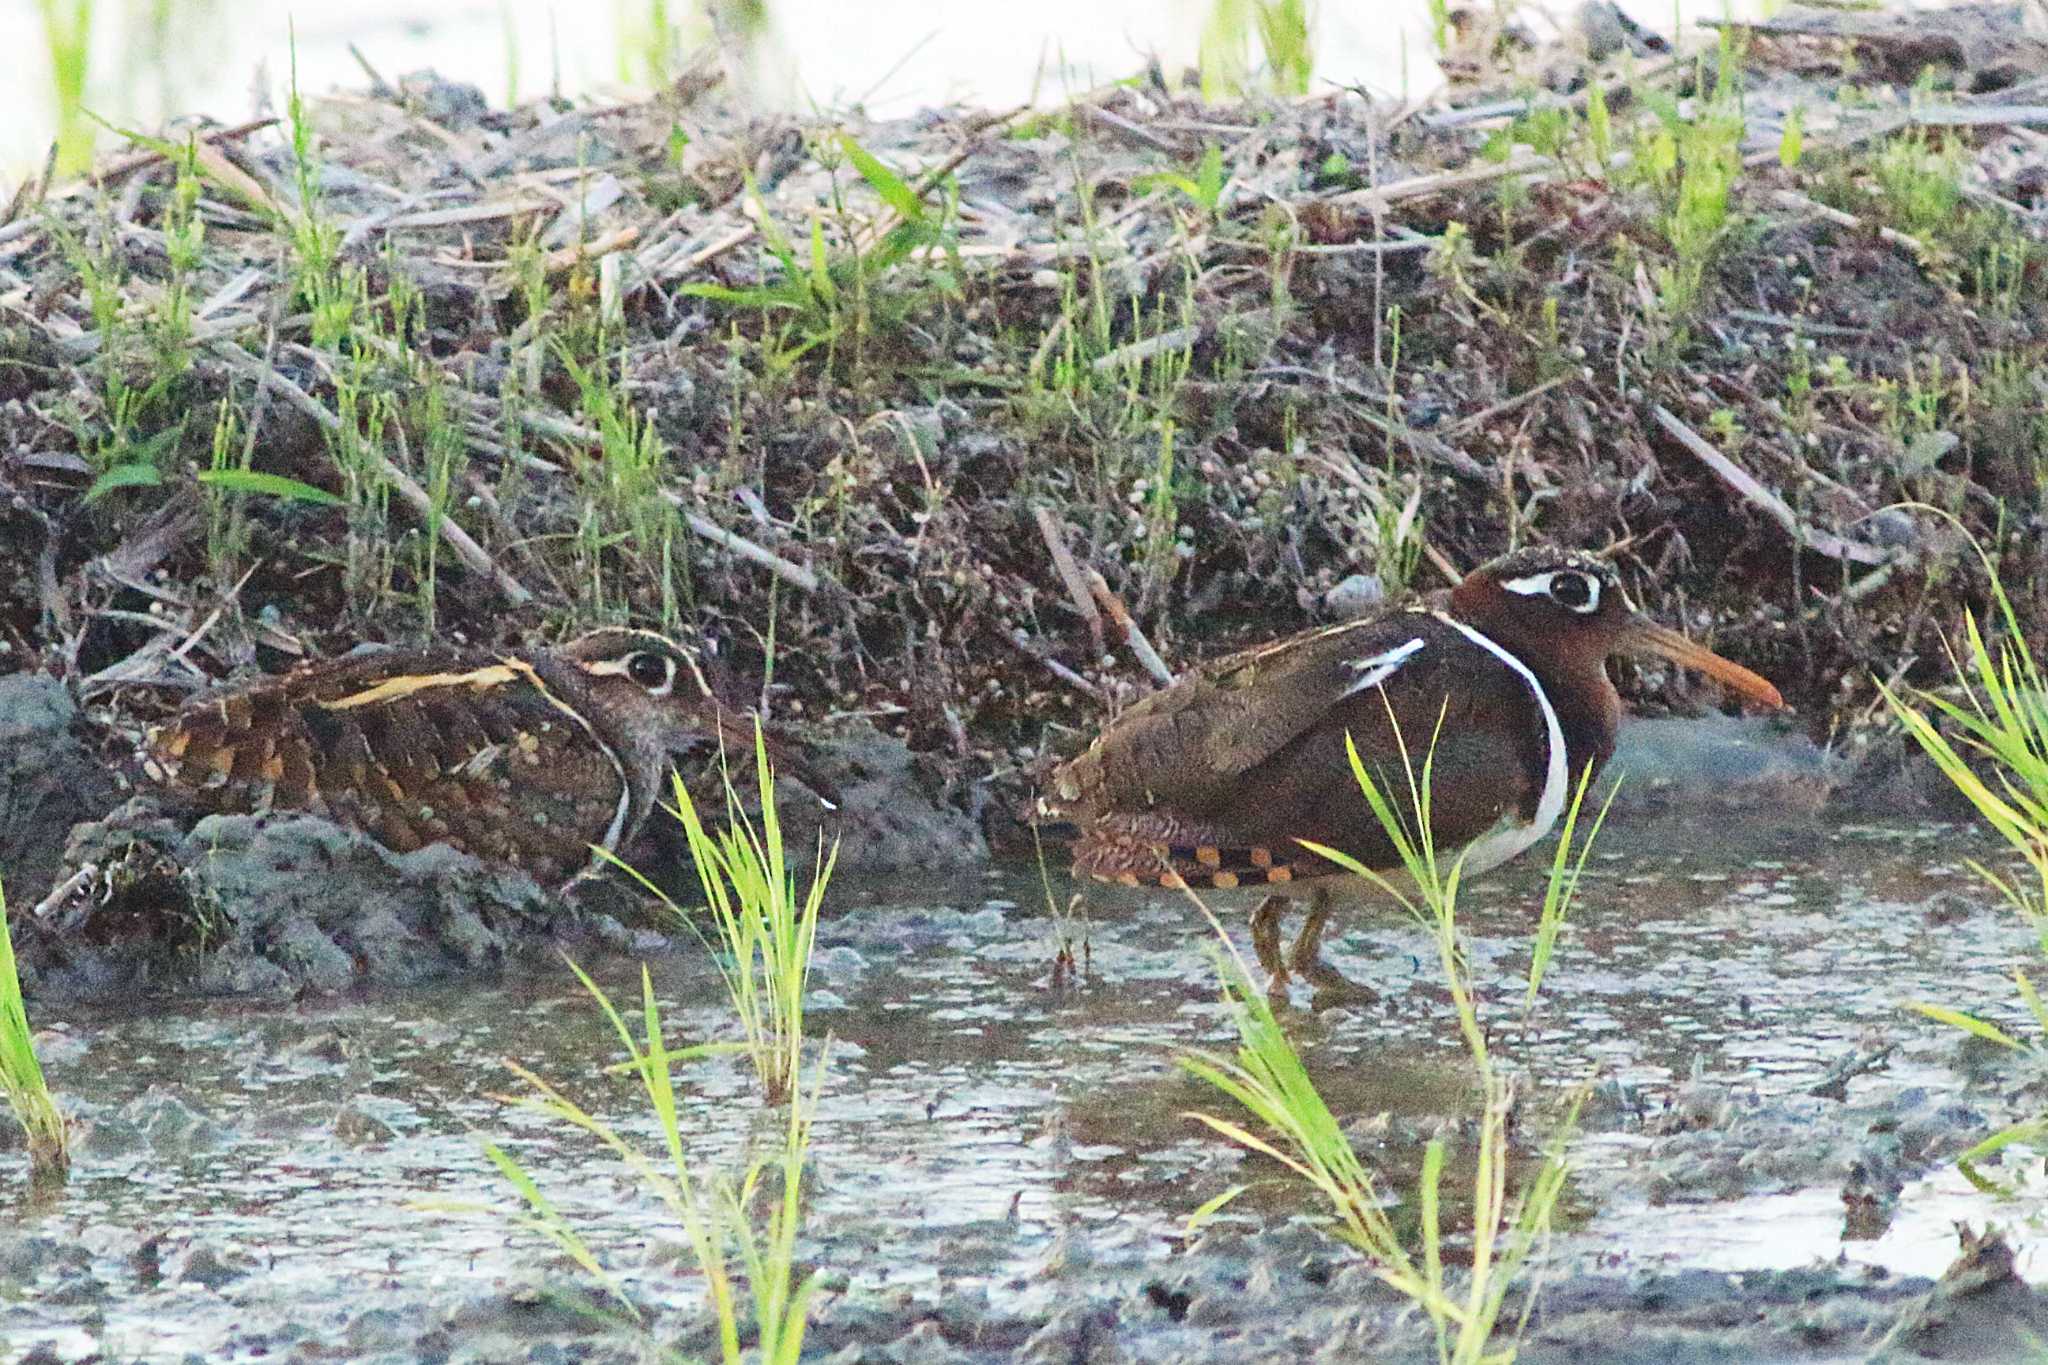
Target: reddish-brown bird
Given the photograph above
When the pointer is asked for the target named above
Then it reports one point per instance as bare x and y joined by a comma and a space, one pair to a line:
530, 759
1214, 781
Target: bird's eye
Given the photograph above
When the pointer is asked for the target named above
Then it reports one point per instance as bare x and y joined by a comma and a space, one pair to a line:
652, 671
1575, 590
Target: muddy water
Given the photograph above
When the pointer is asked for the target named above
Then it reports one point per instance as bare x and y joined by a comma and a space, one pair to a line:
1000, 1153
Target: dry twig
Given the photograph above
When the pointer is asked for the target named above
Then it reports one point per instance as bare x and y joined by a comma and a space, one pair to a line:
1382, 197
1070, 573
1134, 636
1022, 644
1793, 199
1820, 542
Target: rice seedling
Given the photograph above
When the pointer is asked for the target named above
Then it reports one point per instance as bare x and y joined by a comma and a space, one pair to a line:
1294, 1125
1994, 749
21, 1076
2000, 724
718, 1216
747, 1258
766, 927
1298, 1130
1563, 883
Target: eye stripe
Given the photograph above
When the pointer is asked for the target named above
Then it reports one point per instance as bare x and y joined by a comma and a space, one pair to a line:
1546, 584
623, 668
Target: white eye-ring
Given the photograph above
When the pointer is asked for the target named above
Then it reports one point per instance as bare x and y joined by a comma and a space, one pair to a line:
1569, 588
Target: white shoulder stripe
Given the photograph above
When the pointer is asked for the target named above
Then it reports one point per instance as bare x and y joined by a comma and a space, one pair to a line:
1377, 669
1511, 837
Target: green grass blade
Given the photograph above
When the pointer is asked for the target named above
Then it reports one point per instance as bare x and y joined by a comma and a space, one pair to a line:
259, 484
1563, 885
548, 1220
1990, 1033
895, 192
21, 1075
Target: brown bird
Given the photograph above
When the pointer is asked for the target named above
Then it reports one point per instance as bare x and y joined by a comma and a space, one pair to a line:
1211, 783
526, 759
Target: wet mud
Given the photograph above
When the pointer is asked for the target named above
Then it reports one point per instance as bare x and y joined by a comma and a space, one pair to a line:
49, 781
282, 1043
1004, 1166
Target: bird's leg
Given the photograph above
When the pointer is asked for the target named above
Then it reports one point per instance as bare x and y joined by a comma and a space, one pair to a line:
1266, 943
1332, 986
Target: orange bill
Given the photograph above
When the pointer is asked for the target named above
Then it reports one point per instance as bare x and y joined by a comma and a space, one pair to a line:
1646, 636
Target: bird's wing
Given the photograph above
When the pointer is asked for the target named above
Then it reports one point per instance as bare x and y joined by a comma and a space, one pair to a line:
411, 747
1251, 756
1191, 745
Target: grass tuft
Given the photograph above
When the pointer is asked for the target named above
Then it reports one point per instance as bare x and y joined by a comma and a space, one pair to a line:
719, 1217
1295, 1126
2000, 725
746, 1256
1992, 744
766, 927
21, 1076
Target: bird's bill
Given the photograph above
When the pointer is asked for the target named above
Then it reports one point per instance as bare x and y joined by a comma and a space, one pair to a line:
734, 734
1647, 637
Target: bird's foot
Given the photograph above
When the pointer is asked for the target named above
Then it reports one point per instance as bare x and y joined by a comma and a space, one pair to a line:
1266, 943
1266, 935
1332, 987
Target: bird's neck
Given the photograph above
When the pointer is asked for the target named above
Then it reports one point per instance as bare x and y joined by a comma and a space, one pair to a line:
642, 757
1575, 683
1588, 709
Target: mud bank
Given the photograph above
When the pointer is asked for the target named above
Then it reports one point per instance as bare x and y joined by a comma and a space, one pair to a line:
1254, 364
1280, 1296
